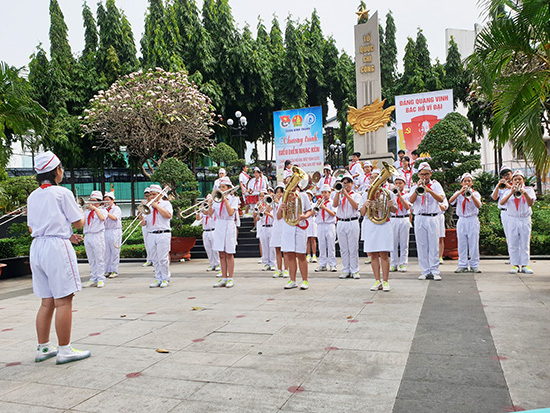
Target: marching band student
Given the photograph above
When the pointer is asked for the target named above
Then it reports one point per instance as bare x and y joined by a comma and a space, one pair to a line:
294, 240
256, 217
326, 232
221, 173
113, 235
467, 227
225, 239
276, 232
406, 171
355, 167
519, 222
51, 210
347, 227
158, 227
311, 249
94, 240
364, 180
414, 157
243, 183
327, 178
398, 162
426, 222
443, 207
400, 226
148, 261
265, 222
506, 183
377, 243
208, 226
287, 172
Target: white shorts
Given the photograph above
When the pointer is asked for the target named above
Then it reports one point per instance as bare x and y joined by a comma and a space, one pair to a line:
377, 237
54, 268
441, 225
293, 239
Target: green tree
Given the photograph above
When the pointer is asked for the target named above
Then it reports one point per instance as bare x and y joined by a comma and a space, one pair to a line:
388, 59
294, 75
277, 56
511, 67
411, 81
422, 54
223, 154
455, 75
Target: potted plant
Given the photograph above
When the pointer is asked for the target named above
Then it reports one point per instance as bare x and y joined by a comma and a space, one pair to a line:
452, 152
183, 184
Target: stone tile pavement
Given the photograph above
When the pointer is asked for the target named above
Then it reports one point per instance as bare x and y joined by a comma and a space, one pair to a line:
471, 344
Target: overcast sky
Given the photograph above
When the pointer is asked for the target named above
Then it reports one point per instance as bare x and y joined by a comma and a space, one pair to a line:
25, 23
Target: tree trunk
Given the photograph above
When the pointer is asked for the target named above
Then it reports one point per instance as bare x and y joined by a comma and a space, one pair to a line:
73, 186
132, 190
266, 144
539, 185
102, 173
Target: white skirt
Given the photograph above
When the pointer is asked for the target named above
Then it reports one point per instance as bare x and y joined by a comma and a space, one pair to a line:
377, 238
442, 225
225, 236
293, 239
312, 227
276, 232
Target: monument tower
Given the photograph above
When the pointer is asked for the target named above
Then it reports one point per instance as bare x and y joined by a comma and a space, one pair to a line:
369, 120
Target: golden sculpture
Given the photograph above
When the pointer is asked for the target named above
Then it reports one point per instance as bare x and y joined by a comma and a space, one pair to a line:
362, 14
370, 117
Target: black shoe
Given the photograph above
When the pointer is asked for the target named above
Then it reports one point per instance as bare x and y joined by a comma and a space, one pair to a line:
430, 276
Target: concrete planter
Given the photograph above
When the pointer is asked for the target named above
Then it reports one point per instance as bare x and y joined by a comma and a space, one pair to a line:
451, 244
15, 267
181, 248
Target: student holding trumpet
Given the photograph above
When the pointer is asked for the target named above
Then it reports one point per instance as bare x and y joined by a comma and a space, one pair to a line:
94, 239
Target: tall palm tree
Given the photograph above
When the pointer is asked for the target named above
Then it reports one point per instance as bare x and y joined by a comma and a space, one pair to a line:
511, 66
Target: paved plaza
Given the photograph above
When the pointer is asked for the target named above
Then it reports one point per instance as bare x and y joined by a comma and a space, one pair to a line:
471, 343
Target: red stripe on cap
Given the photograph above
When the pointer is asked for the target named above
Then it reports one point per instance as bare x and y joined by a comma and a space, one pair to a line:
53, 157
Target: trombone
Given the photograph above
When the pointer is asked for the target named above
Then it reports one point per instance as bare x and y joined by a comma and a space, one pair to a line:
13, 214
144, 209
202, 206
81, 201
218, 196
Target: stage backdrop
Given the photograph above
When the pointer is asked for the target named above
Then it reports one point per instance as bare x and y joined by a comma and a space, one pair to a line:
416, 114
299, 137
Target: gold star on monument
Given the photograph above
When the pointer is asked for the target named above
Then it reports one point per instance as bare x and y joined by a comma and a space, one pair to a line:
362, 14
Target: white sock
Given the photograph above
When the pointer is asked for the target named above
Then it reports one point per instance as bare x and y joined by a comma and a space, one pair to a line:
45, 345
65, 349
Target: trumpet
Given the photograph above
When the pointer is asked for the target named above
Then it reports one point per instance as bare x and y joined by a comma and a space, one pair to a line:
268, 199
338, 186
420, 188
502, 185
468, 193
396, 191
144, 209
14, 214
517, 192
317, 206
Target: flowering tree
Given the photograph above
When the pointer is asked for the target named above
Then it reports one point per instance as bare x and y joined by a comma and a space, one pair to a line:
154, 114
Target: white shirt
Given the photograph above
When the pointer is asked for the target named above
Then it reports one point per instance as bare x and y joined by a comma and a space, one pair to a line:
160, 223
329, 180
208, 222
408, 176
323, 217
363, 182
397, 163
465, 207
110, 223
401, 211
244, 178
217, 183
257, 184
50, 212
221, 211
427, 204
517, 207
345, 210
355, 168
501, 193
93, 224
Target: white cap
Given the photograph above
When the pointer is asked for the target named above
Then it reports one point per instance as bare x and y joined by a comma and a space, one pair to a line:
263, 191
270, 189
222, 171
347, 175
96, 195
504, 169
147, 190
280, 185
155, 188
424, 165
327, 167
110, 195
226, 181
46, 162
256, 169
400, 176
466, 175
325, 187
310, 192
518, 172
367, 163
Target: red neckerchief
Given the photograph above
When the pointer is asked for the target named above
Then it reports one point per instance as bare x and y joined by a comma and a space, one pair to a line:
516, 201
256, 184
464, 204
399, 204
45, 185
429, 185
206, 222
90, 216
409, 172
245, 174
221, 206
155, 212
344, 200
323, 211
327, 178
366, 177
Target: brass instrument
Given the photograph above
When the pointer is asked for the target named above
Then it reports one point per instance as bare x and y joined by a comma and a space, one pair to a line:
517, 192
218, 195
291, 199
14, 214
502, 185
82, 202
338, 186
317, 206
201, 206
339, 173
396, 191
379, 209
420, 188
268, 199
144, 209
468, 193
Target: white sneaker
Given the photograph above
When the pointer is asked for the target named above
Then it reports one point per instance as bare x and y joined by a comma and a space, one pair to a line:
333, 269
475, 270
376, 286
392, 268
90, 284
266, 268
356, 275
422, 276
402, 268
314, 258
437, 277
277, 274
260, 261
219, 275
163, 284
320, 269
304, 285
514, 270
217, 268
441, 260
527, 270
100, 284
45, 353
308, 258
367, 261
113, 275
221, 283
290, 284
147, 264
386, 286
72, 355
344, 275
229, 283
107, 274
286, 274
209, 268
156, 283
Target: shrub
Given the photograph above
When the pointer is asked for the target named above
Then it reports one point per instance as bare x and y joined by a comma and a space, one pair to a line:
7, 248
223, 154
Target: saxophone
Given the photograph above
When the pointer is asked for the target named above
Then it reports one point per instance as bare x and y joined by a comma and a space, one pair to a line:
291, 199
379, 210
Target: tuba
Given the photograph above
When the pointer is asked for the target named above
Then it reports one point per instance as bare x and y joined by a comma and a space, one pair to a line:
379, 210
291, 199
